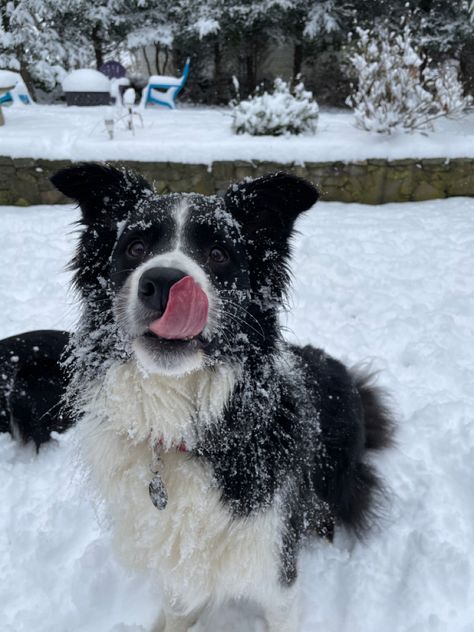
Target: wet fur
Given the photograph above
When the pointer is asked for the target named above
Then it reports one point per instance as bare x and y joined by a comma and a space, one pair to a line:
277, 436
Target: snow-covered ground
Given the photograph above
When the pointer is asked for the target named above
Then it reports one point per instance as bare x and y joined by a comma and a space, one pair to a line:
392, 285
203, 135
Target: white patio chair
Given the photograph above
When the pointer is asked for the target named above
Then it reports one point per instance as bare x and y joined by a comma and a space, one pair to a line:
163, 90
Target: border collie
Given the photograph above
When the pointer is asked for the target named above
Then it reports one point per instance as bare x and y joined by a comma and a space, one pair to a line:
219, 448
33, 384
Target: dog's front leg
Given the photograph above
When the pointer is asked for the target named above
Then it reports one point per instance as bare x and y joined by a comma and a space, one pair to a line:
169, 621
282, 612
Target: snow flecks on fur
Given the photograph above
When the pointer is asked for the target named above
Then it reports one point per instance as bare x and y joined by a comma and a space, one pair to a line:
193, 540
155, 409
274, 433
254, 415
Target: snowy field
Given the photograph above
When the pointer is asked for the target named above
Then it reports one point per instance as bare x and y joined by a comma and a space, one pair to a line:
391, 285
203, 135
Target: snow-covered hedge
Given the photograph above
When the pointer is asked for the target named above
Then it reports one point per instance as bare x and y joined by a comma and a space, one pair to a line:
286, 110
397, 88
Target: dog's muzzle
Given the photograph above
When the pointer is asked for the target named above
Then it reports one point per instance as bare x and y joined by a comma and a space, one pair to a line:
179, 305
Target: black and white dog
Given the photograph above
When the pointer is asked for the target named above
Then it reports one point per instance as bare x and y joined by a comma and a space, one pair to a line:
218, 447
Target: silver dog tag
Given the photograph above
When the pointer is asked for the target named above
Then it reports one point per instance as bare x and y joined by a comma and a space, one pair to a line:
158, 493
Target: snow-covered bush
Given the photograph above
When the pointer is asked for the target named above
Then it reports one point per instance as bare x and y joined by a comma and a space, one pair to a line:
397, 89
449, 90
286, 110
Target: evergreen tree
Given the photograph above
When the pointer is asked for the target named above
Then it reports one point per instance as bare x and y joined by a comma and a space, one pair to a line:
43, 39
30, 42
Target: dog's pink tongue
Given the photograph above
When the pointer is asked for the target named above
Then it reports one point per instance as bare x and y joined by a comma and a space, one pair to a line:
186, 311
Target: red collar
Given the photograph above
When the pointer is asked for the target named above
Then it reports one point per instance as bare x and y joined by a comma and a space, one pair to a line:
181, 447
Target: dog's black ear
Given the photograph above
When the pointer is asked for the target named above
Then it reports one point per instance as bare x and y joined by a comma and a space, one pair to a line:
100, 190
271, 203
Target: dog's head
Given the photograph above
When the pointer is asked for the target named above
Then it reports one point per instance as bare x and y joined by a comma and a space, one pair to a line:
184, 280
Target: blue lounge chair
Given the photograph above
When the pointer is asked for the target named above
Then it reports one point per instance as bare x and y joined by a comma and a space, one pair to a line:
19, 92
8, 98
163, 90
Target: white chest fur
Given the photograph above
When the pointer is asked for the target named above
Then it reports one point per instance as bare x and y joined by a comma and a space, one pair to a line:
196, 546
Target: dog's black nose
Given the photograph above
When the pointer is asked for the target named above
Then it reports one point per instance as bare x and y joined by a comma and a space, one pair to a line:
154, 287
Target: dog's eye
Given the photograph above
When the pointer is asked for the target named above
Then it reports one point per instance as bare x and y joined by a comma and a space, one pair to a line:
136, 249
218, 255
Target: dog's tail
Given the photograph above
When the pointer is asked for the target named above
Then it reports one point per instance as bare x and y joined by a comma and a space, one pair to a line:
366, 496
378, 419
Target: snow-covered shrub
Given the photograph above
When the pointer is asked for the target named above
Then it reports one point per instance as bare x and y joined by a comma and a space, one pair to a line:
449, 90
286, 110
397, 89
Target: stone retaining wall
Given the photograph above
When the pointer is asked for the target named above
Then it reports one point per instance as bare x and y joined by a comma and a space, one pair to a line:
25, 181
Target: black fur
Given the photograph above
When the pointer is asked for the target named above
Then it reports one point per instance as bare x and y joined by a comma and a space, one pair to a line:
309, 437
298, 424
33, 384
